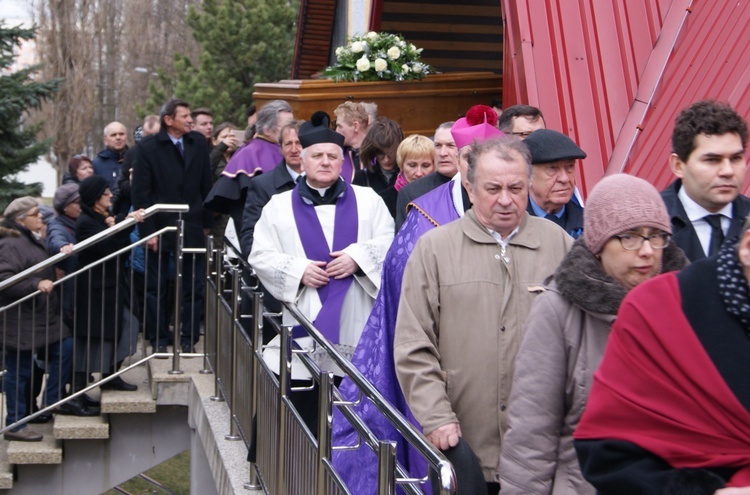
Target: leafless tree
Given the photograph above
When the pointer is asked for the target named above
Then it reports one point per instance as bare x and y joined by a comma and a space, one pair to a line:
106, 51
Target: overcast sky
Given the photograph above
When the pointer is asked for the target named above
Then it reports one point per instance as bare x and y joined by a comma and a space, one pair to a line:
15, 11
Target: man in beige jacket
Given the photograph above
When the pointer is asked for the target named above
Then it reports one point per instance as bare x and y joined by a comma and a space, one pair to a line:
466, 292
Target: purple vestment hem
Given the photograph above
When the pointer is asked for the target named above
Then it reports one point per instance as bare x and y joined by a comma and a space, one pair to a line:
374, 355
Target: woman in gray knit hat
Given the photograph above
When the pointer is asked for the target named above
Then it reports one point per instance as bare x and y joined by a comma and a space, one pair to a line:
626, 240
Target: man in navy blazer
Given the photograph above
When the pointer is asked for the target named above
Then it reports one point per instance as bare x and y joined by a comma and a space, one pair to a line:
173, 167
708, 160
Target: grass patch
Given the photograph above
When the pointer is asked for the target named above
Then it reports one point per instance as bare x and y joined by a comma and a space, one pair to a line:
173, 473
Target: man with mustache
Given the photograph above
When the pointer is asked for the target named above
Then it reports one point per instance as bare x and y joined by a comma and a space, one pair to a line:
708, 159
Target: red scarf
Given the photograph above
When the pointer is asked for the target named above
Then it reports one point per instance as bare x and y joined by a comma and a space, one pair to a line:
658, 388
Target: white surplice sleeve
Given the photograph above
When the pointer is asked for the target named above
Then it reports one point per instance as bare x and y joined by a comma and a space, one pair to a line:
277, 255
375, 235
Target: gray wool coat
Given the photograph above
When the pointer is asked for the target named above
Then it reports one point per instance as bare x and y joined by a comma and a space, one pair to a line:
563, 344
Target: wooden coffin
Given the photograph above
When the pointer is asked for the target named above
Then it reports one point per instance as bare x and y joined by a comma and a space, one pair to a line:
418, 106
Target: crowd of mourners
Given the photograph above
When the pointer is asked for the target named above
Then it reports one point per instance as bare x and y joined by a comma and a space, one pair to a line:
544, 344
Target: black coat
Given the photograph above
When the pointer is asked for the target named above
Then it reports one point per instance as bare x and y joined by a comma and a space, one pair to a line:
377, 181
37, 323
99, 292
259, 193
122, 202
415, 189
683, 232
160, 175
621, 467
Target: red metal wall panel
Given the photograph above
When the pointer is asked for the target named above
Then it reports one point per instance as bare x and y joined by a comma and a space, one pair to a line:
581, 63
710, 59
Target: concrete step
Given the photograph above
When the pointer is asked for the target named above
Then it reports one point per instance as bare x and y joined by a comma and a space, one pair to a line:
6, 468
48, 451
81, 428
139, 401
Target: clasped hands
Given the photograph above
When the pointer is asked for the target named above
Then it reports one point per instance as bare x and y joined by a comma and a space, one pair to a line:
318, 273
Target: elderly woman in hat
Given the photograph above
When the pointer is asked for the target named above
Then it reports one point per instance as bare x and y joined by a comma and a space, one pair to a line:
568, 328
101, 339
33, 326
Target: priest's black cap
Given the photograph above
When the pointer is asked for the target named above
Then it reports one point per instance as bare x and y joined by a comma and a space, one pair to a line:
317, 130
548, 146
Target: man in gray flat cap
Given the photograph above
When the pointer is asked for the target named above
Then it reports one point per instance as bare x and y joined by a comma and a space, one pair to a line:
553, 180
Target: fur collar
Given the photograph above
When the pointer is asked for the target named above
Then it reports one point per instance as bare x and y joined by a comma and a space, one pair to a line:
9, 228
581, 279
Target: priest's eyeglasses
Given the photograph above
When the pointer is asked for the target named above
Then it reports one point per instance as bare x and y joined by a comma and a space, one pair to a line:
633, 242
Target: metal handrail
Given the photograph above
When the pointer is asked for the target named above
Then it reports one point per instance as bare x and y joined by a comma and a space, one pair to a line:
446, 475
405, 428
88, 267
127, 223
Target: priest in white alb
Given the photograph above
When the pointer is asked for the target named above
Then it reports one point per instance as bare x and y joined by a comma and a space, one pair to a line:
321, 246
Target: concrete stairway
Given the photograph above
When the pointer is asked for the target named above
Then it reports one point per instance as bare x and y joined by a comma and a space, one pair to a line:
169, 413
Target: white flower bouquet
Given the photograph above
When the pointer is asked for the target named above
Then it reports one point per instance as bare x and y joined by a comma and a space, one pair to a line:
377, 57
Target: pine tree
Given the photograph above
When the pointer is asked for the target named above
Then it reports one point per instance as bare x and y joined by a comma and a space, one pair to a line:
19, 92
243, 42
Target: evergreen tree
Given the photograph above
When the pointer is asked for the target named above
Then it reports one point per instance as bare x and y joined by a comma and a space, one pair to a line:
19, 92
243, 42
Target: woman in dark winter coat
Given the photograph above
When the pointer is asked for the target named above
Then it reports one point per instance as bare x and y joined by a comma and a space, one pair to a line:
79, 168
61, 235
626, 241
33, 326
101, 339
378, 151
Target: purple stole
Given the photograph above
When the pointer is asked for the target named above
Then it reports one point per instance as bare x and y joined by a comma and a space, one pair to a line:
347, 168
315, 245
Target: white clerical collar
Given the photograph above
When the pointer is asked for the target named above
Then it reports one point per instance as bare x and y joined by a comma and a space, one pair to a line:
295, 176
695, 211
322, 191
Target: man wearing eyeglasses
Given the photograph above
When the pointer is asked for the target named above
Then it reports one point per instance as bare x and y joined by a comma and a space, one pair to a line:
553, 180
521, 120
708, 159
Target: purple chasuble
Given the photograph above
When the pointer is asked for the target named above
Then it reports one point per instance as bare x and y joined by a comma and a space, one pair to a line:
316, 248
259, 156
437, 205
374, 355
